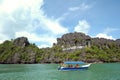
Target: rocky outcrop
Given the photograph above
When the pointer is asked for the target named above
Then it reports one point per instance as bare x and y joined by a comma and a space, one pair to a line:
73, 39
21, 41
118, 42
102, 41
18, 51
71, 46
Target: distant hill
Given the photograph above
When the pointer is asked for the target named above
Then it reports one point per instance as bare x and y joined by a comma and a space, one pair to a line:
70, 47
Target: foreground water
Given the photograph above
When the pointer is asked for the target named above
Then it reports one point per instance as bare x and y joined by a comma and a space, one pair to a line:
106, 71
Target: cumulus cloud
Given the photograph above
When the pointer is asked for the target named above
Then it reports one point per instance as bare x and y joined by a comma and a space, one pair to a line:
26, 18
82, 26
103, 35
53, 26
46, 38
35, 38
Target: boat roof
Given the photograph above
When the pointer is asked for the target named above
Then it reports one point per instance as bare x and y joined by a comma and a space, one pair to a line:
73, 62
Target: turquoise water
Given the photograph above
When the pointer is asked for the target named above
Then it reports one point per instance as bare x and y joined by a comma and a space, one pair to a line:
106, 71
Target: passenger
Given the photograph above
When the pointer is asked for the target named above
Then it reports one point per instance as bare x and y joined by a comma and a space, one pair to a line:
76, 66
62, 65
70, 66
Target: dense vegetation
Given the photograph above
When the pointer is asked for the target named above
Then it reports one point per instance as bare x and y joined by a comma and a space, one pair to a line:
10, 53
88, 54
21, 51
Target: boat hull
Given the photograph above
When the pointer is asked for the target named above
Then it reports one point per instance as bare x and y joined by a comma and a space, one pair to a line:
80, 68
73, 68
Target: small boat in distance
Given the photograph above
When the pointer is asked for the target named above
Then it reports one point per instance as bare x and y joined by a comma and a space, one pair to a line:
73, 65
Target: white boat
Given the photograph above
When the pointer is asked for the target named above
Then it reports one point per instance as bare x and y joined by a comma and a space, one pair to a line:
83, 66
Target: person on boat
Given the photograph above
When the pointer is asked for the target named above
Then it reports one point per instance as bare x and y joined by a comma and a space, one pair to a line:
70, 66
76, 66
62, 65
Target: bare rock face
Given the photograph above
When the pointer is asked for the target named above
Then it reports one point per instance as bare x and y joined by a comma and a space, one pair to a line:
118, 42
102, 41
21, 41
77, 39
73, 39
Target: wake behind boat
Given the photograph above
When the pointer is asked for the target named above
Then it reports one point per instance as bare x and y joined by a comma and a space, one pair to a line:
73, 65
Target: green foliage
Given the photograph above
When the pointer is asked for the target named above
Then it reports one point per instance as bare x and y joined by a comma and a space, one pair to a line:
39, 53
31, 53
6, 48
103, 54
56, 48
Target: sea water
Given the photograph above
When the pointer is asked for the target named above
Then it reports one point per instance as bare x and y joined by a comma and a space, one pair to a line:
104, 71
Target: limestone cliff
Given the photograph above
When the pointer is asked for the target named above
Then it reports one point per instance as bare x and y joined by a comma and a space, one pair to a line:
17, 51
70, 47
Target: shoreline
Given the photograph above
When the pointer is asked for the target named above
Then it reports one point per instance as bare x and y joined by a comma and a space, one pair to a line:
59, 63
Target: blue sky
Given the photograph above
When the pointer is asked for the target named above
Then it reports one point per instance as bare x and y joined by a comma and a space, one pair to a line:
42, 21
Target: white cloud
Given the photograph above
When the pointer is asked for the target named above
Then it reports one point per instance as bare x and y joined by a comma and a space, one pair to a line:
31, 36
26, 18
8, 6
82, 26
1, 41
3, 38
43, 46
74, 8
82, 6
103, 35
70, 12
85, 6
54, 26
45, 40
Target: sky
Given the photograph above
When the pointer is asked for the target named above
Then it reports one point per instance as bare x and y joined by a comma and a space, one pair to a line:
43, 21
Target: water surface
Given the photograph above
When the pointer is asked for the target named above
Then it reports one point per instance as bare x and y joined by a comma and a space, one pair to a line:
106, 71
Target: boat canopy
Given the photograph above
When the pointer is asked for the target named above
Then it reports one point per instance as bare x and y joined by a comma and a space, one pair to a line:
73, 62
